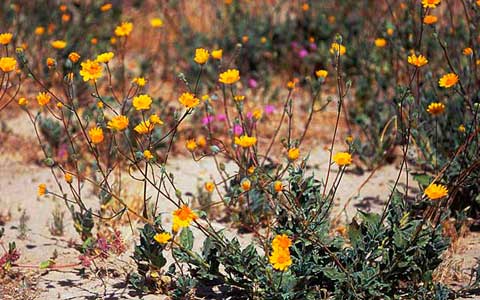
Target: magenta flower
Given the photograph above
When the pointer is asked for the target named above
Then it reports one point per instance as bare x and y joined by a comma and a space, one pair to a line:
237, 130
207, 120
269, 109
221, 117
252, 83
303, 53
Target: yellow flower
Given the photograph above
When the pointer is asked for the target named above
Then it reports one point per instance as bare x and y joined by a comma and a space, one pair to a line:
430, 19
8, 64
201, 56
246, 184
430, 3
380, 42
43, 98
217, 54
201, 141
281, 241
105, 57
209, 186
188, 100
278, 186
51, 62
390, 31
436, 108
40, 30
251, 170
257, 113
191, 145
155, 120
156, 22
337, 48
291, 85
124, 29
147, 154
42, 189
96, 135
74, 57
59, 104
162, 238
68, 178
461, 128
467, 51
144, 127
417, 61
106, 7
100, 104
245, 39
118, 123
58, 44
230, 76
280, 259
5, 38
321, 73
342, 158
435, 191
245, 141
142, 102
22, 101
183, 216
140, 81
263, 40
293, 154
448, 80
305, 7
91, 70
239, 98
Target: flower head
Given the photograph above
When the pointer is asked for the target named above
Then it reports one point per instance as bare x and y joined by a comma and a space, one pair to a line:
191, 145
142, 102
278, 186
155, 119
280, 259
144, 127
467, 51
156, 22
338, 48
74, 57
91, 70
58, 44
68, 178
183, 216
342, 158
118, 123
217, 54
281, 241
162, 238
8, 64
293, 154
43, 98
230, 76
140, 81
106, 7
105, 57
417, 61
96, 135
42, 189
246, 184
5, 38
435, 191
430, 3
245, 141
147, 154
321, 73
430, 19
124, 29
201, 56
448, 80
39, 30
188, 100
436, 108
209, 186
22, 101
380, 42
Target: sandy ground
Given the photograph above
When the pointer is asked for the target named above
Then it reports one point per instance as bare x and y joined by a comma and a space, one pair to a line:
18, 188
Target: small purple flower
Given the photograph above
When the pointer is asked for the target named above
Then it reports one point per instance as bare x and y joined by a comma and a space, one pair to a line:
207, 120
313, 46
237, 130
269, 109
294, 45
221, 117
303, 53
249, 115
252, 83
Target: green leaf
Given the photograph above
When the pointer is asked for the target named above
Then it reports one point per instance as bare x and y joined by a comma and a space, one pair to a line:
186, 238
46, 264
